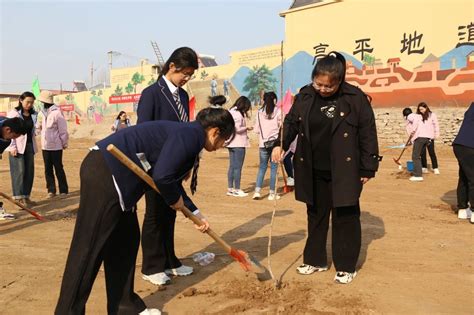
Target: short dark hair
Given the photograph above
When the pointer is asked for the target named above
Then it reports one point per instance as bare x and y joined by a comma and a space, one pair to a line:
243, 105
407, 111
217, 117
22, 97
182, 57
333, 65
16, 125
217, 100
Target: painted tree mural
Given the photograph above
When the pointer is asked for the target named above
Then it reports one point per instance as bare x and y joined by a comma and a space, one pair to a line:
129, 88
137, 78
258, 79
118, 91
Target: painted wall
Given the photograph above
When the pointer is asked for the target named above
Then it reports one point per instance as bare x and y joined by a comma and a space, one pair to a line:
399, 52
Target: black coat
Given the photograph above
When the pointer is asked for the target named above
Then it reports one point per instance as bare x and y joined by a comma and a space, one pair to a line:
354, 147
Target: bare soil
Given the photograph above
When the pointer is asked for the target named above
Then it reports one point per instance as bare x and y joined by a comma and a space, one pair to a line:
416, 258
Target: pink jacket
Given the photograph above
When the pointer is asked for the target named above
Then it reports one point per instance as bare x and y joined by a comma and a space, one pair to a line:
241, 140
423, 129
19, 144
268, 129
53, 128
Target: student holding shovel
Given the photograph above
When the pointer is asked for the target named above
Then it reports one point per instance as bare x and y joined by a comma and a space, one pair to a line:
107, 227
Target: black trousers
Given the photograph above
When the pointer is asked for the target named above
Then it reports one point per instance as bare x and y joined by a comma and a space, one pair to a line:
158, 235
465, 190
346, 228
54, 159
103, 233
431, 151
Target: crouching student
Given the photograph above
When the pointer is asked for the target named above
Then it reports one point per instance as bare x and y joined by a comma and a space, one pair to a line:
107, 227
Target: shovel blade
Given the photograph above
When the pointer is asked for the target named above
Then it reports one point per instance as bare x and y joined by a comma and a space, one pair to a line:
247, 261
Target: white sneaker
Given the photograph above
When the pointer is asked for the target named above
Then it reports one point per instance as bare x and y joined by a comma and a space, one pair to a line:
416, 179
290, 181
180, 271
6, 216
240, 193
273, 197
465, 214
424, 170
230, 192
472, 219
344, 277
150, 311
305, 269
158, 278
256, 196
436, 171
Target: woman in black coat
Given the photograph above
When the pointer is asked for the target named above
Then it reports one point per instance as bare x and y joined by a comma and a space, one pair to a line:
336, 154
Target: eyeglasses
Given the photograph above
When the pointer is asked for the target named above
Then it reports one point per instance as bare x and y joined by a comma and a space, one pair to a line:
325, 88
187, 75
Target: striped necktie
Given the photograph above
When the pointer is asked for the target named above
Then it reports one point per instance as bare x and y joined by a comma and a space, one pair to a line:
182, 113
195, 175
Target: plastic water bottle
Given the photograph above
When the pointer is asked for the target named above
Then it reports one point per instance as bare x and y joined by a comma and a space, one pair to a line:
204, 259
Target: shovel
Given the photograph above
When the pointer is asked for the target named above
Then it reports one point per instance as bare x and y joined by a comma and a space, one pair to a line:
401, 153
246, 261
33, 213
286, 188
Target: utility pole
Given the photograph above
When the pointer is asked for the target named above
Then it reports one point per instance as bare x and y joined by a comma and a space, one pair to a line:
92, 75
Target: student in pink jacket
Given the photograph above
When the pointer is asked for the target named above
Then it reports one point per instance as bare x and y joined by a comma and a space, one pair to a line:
236, 147
54, 139
430, 123
267, 125
22, 150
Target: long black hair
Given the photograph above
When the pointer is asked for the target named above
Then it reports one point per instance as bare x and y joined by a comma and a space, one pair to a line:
269, 100
211, 117
120, 114
243, 104
183, 57
22, 97
333, 65
427, 113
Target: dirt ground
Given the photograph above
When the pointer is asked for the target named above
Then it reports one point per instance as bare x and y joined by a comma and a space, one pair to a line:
416, 257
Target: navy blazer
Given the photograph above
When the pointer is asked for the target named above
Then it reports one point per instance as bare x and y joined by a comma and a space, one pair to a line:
157, 103
170, 148
3, 143
465, 135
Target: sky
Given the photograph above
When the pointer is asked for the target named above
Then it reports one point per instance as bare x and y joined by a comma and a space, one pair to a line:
58, 41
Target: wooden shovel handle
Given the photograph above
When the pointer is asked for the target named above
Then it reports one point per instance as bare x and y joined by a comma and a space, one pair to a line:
147, 179
33, 213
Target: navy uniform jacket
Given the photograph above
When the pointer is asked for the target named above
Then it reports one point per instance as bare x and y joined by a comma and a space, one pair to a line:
3, 143
465, 135
157, 103
171, 149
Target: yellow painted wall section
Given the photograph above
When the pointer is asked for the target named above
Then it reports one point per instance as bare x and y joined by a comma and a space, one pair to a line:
268, 55
340, 23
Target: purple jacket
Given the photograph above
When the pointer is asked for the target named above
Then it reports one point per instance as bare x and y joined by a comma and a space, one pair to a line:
241, 140
19, 144
267, 128
53, 128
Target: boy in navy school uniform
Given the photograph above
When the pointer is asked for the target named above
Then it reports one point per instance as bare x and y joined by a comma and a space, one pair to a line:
107, 226
10, 128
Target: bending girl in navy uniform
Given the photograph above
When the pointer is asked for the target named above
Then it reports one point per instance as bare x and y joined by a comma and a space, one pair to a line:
107, 227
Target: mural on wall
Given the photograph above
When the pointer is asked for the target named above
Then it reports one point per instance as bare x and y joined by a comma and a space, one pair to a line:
446, 80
